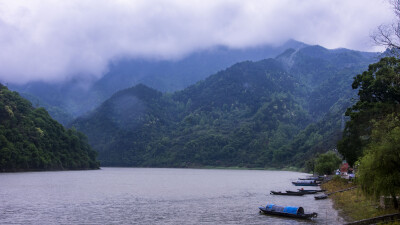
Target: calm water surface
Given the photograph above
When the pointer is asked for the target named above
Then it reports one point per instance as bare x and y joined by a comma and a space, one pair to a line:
152, 196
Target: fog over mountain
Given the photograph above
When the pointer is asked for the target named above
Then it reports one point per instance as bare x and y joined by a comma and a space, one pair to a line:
74, 97
57, 41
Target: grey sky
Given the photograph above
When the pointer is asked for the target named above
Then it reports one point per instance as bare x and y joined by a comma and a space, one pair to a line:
54, 40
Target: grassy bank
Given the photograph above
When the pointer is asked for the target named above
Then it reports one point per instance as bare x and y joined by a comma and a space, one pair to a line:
353, 205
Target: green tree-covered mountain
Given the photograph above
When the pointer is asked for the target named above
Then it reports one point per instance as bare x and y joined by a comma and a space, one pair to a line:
270, 113
31, 140
64, 100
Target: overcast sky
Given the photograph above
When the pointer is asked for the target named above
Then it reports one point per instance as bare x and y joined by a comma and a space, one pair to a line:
54, 40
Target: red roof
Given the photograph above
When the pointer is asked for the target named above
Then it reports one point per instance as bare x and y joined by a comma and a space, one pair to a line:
344, 167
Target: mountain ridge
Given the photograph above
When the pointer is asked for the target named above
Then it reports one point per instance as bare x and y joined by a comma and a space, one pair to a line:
252, 114
163, 75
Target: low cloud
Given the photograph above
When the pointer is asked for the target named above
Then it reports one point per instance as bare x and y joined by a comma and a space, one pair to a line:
54, 40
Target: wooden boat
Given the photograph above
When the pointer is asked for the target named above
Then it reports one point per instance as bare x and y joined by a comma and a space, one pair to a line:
288, 211
319, 197
286, 193
304, 192
306, 183
312, 178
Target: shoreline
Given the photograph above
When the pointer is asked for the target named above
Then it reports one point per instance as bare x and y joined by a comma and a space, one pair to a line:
291, 169
43, 170
353, 205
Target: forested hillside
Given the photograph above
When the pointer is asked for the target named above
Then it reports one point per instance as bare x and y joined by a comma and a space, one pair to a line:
64, 100
31, 140
270, 113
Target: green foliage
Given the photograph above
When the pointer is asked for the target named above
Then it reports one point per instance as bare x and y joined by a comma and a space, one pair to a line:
309, 166
380, 83
379, 169
326, 163
372, 134
379, 92
31, 140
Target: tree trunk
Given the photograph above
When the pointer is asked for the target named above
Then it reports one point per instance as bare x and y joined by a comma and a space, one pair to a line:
395, 202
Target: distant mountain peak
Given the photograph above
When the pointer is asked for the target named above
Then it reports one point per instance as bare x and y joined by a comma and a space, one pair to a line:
291, 43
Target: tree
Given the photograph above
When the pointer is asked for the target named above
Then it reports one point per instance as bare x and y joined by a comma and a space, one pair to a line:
379, 170
310, 165
379, 92
388, 35
326, 163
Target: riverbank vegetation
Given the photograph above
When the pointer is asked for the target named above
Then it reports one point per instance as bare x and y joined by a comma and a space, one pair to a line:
371, 143
354, 204
371, 139
326, 163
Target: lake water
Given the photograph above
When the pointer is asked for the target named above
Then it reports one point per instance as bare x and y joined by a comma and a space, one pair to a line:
152, 196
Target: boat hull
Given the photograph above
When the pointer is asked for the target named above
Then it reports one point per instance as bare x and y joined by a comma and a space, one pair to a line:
287, 193
310, 190
305, 184
319, 197
299, 216
302, 192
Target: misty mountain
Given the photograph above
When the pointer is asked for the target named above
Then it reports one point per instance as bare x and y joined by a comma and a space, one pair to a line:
75, 97
326, 74
268, 113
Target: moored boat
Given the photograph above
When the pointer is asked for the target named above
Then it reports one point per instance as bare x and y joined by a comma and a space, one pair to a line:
288, 211
286, 193
306, 183
303, 192
320, 178
319, 197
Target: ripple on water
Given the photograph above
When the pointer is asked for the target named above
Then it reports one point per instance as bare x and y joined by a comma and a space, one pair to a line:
152, 196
